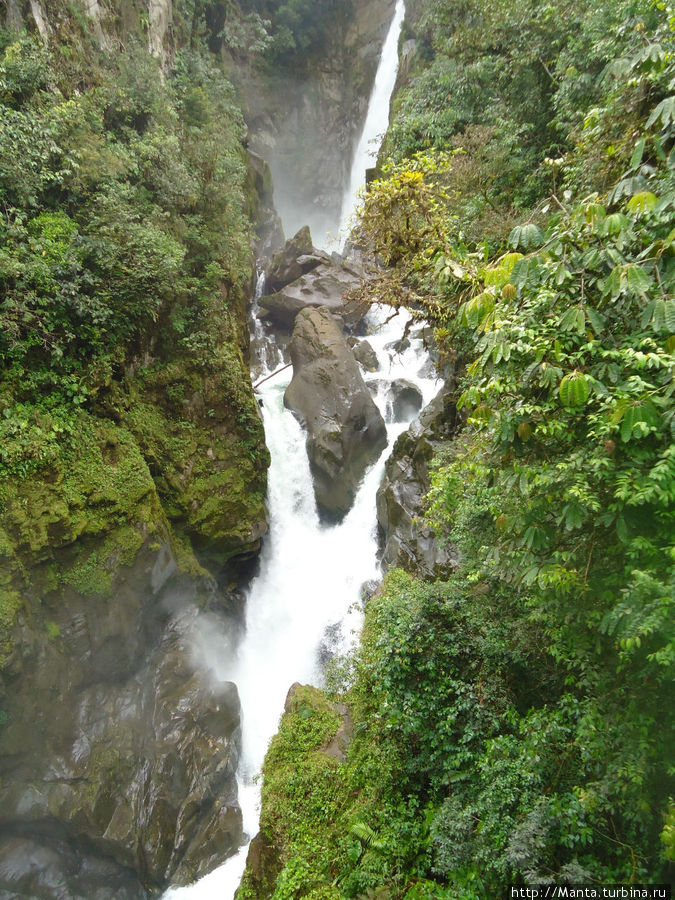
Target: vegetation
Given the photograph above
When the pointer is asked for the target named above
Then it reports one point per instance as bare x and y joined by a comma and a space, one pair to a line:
299, 29
515, 722
124, 264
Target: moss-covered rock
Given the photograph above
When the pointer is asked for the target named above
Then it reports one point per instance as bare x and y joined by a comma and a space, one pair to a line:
76, 522
203, 439
303, 783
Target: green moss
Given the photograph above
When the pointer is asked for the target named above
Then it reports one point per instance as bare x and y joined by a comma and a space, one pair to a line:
303, 795
77, 521
10, 604
206, 451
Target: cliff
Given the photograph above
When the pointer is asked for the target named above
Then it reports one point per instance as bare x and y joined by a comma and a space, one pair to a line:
133, 463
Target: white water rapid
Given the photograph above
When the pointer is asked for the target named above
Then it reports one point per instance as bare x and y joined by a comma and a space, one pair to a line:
375, 125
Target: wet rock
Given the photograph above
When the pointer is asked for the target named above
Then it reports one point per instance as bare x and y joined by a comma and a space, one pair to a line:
428, 370
403, 399
406, 541
325, 286
406, 400
116, 743
364, 354
269, 231
50, 867
399, 346
345, 431
286, 265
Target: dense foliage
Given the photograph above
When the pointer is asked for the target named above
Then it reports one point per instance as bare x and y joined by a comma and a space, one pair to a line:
297, 30
515, 722
123, 232
516, 86
125, 260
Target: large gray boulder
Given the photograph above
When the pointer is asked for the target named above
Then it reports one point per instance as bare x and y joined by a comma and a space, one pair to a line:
407, 541
345, 431
294, 259
326, 286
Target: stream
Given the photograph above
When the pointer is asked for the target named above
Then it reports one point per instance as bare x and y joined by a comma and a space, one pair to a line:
305, 603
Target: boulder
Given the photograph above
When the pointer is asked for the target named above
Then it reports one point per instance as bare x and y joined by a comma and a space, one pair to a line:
406, 400
364, 354
399, 346
286, 266
403, 399
406, 541
326, 286
345, 431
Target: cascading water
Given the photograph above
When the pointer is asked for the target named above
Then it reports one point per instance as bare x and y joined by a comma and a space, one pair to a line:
310, 578
376, 123
309, 586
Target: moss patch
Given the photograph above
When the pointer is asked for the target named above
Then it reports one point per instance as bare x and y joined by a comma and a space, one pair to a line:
75, 522
204, 443
303, 794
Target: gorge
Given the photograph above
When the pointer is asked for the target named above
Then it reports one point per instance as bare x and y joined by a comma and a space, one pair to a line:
330, 575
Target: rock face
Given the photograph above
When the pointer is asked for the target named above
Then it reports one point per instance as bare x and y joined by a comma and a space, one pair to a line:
364, 354
115, 745
269, 233
40, 19
96, 13
159, 21
345, 431
43, 867
407, 542
306, 119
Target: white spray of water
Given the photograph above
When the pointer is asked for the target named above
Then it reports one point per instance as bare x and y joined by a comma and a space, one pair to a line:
376, 123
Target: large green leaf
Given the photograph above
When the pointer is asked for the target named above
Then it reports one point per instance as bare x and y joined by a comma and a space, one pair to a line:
574, 389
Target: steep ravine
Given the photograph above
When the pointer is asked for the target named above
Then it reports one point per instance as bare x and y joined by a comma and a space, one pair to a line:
322, 550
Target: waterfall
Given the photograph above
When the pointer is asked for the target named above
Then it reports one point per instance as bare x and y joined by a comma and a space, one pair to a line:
307, 596
376, 122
